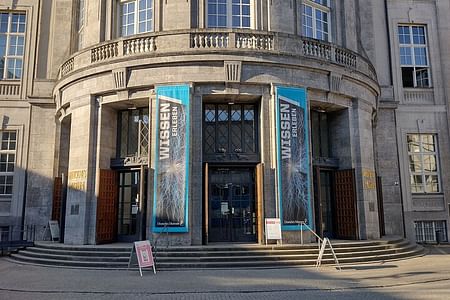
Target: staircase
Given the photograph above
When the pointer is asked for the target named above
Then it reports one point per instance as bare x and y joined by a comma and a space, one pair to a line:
116, 256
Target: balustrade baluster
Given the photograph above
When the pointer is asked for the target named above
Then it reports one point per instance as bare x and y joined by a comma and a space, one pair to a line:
152, 44
141, 45
147, 45
196, 44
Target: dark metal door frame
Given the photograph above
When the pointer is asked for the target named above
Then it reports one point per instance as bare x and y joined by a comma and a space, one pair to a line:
318, 200
232, 214
140, 218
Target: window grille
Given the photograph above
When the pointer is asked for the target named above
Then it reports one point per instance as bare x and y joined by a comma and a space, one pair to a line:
426, 231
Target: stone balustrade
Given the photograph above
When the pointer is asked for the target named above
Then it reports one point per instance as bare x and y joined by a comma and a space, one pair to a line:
67, 67
204, 40
190, 41
104, 52
139, 45
11, 88
254, 41
418, 96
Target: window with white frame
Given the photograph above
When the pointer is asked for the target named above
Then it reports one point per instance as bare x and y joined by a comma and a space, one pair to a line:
316, 19
7, 162
423, 163
12, 44
229, 13
81, 17
414, 60
426, 231
136, 17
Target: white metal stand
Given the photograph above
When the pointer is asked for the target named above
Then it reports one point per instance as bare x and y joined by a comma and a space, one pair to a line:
322, 251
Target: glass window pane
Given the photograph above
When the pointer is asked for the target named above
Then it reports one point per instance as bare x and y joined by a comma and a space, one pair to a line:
420, 56
222, 113
418, 35
404, 35
405, 56
415, 163
431, 182
429, 163
4, 22
210, 113
236, 113
417, 184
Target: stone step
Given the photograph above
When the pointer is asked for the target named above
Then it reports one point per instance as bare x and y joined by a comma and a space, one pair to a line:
221, 264
216, 256
97, 257
211, 256
217, 247
299, 250
80, 253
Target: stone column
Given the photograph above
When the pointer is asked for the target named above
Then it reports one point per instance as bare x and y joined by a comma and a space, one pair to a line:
196, 183
81, 201
268, 152
362, 144
388, 168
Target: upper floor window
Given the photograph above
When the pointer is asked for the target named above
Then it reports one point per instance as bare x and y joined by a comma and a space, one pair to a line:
12, 44
414, 60
136, 17
316, 19
229, 13
423, 163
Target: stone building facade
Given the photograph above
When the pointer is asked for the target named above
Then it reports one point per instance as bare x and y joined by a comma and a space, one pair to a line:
85, 88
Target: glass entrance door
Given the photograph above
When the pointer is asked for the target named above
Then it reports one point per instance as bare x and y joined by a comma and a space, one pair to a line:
324, 203
129, 214
232, 215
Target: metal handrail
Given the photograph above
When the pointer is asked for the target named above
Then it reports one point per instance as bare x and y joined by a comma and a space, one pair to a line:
319, 239
158, 235
14, 238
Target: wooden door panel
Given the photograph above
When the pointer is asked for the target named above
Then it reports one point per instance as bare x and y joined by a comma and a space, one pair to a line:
346, 210
259, 202
107, 207
57, 198
205, 204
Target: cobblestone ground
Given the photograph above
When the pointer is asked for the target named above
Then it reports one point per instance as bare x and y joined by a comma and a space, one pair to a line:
426, 277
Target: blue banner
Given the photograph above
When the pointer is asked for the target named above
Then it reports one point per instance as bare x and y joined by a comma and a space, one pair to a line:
171, 184
293, 161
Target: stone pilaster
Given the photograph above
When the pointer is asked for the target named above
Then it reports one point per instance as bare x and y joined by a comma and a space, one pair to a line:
81, 201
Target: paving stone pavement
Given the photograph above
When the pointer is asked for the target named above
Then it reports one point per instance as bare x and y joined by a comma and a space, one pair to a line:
426, 277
